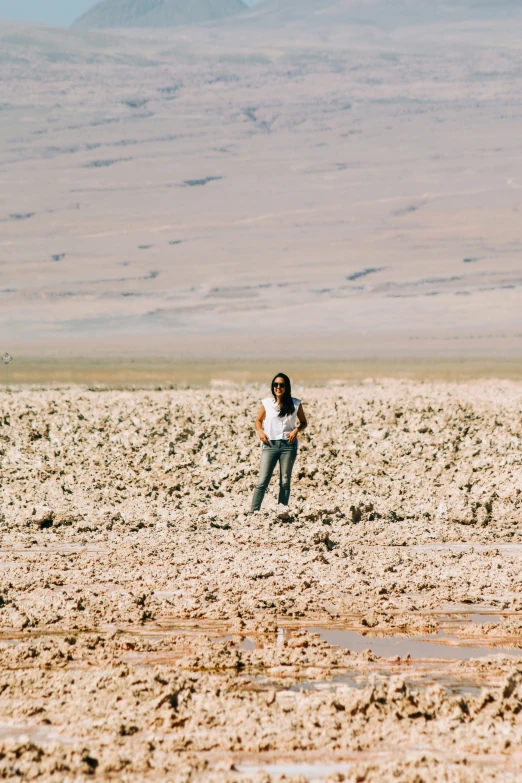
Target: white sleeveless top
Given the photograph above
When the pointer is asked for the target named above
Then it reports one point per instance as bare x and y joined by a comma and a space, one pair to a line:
277, 428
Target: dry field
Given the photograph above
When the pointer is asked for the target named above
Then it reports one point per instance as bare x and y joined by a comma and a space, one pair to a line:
169, 373
151, 630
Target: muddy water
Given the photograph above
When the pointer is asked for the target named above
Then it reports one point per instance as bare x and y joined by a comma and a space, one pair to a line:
416, 647
311, 772
495, 768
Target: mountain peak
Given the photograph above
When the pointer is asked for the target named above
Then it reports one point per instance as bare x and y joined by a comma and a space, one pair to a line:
157, 13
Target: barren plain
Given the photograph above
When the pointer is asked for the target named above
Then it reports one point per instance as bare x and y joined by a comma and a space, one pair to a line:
194, 192
151, 630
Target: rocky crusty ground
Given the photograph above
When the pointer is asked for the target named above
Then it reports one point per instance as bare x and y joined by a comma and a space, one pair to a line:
141, 609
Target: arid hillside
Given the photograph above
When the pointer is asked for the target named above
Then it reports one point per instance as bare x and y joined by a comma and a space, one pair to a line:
349, 189
157, 13
390, 14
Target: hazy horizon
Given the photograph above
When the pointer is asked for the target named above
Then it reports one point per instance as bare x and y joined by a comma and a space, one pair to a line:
62, 13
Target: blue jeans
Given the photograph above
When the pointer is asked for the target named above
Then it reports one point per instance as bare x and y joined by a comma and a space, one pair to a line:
277, 451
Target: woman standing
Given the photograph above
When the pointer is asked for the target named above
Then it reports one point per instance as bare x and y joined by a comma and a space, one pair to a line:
277, 426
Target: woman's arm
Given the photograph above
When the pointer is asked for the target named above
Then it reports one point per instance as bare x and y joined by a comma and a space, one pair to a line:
303, 424
259, 425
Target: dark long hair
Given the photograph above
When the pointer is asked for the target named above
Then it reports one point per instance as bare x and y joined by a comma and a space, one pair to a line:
287, 403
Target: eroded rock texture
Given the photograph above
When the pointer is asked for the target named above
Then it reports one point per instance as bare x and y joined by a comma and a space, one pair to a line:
150, 629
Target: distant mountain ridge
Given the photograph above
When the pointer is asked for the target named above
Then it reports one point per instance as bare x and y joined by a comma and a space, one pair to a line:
387, 13
157, 13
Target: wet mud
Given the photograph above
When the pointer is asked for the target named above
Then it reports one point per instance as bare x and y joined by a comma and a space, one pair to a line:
151, 630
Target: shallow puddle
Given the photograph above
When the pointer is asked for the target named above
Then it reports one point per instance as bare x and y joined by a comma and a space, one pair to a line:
34, 734
317, 771
452, 685
311, 772
466, 612
347, 680
451, 619
350, 680
244, 644
415, 647
464, 617
484, 619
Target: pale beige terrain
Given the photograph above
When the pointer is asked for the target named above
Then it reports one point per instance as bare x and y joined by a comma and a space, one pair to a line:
219, 190
151, 630
157, 372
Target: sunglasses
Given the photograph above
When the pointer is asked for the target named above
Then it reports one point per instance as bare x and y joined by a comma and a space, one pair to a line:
279, 386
